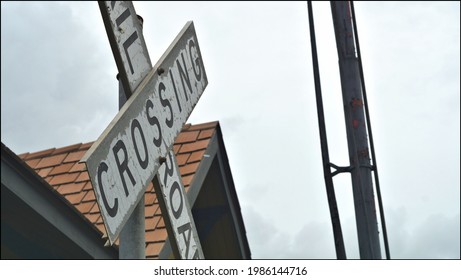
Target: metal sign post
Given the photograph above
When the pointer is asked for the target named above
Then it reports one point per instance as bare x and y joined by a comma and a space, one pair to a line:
365, 210
127, 155
133, 61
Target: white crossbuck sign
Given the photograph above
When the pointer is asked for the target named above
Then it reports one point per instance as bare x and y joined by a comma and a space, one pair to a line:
129, 153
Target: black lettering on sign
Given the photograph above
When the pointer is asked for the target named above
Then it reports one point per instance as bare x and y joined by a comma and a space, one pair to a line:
125, 15
196, 64
165, 103
176, 212
122, 17
181, 230
175, 91
111, 210
135, 124
126, 45
168, 170
154, 121
184, 75
196, 256
123, 166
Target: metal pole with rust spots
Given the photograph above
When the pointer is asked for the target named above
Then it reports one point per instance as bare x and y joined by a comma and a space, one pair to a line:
359, 158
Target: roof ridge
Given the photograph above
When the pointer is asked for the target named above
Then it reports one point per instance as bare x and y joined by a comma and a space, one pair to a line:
66, 149
201, 126
56, 151
85, 146
34, 155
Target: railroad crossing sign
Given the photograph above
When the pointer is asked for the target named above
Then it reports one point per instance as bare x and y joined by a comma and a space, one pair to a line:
127, 42
186, 244
128, 154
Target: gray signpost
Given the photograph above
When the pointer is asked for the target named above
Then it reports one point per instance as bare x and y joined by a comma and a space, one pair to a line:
359, 157
132, 58
129, 153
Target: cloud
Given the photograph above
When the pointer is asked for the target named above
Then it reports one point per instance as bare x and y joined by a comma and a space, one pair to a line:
436, 237
56, 92
314, 241
268, 241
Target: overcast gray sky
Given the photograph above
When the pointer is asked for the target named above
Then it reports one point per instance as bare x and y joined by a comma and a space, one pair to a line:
58, 88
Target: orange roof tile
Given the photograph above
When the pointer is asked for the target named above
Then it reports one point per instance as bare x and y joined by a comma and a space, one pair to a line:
194, 146
151, 223
75, 198
153, 248
188, 136
206, 134
86, 206
150, 188
33, 162
176, 148
88, 186
101, 227
149, 211
71, 188
182, 159
89, 196
189, 168
161, 223
60, 167
50, 161
156, 235
44, 172
95, 208
83, 177
186, 180
72, 157
93, 217
63, 168
149, 198
196, 156
63, 178
78, 167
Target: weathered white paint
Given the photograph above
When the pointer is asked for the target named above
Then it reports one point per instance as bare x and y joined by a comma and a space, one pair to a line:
180, 220
127, 42
164, 95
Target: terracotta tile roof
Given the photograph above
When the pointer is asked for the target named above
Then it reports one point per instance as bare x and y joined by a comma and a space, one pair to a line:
61, 169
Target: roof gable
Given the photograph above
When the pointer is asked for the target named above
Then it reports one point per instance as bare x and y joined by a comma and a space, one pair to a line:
61, 169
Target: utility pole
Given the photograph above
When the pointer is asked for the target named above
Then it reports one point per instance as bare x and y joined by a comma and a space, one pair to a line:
359, 158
